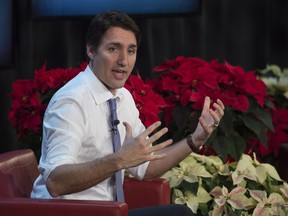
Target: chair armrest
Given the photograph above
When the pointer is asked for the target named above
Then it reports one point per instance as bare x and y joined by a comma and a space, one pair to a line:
57, 207
146, 193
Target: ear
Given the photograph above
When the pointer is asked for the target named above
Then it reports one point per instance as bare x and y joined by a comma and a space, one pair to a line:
89, 52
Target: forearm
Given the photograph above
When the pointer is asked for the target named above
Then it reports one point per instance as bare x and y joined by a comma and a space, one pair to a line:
73, 178
174, 155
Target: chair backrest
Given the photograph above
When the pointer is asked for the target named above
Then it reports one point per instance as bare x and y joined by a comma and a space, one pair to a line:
18, 171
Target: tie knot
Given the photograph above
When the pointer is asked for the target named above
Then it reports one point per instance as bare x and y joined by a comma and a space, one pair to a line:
112, 104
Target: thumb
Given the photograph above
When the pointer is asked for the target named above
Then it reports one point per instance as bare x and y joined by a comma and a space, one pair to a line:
128, 129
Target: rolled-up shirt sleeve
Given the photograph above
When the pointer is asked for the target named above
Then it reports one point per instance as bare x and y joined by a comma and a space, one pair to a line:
62, 131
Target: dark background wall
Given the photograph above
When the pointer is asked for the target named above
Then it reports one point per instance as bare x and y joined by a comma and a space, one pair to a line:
249, 33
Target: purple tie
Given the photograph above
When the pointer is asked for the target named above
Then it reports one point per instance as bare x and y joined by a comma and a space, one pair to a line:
116, 146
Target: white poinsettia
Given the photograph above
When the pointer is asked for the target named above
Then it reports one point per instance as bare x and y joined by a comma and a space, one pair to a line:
212, 162
278, 82
264, 169
188, 170
244, 169
236, 198
254, 170
284, 189
200, 177
267, 205
190, 199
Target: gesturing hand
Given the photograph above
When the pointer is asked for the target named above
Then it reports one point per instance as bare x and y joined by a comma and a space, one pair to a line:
208, 121
137, 150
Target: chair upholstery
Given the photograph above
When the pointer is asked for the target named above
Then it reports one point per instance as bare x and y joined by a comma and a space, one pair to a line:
19, 169
152, 192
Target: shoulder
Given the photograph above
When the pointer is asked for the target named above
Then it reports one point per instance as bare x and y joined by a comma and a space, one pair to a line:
126, 93
74, 90
126, 96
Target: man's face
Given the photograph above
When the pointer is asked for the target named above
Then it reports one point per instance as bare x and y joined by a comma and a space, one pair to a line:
114, 59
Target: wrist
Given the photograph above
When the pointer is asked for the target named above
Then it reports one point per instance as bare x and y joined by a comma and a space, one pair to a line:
119, 162
191, 143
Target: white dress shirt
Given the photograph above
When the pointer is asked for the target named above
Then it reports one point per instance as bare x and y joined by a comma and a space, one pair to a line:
76, 129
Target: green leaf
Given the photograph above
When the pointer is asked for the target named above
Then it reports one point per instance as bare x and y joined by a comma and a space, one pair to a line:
256, 126
221, 146
269, 104
237, 147
264, 117
231, 144
203, 207
227, 121
181, 117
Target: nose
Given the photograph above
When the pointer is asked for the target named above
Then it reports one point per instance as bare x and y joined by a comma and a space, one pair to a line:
123, 59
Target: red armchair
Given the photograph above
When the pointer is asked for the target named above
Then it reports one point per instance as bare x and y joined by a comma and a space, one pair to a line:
18, 170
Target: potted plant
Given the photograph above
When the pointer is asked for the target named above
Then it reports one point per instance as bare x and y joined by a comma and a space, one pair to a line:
185, 81
210, 186
231, 183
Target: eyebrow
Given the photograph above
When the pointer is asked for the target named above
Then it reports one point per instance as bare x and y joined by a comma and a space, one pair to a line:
119, 45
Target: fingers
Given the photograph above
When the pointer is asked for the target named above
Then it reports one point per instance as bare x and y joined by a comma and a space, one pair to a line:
146, 139
143, 136
220, 103
137, 150
216, 117
156, 149
160, 146
219, 106
206, 105
151, 129
218, 113
156, 136
128, 129
210, 120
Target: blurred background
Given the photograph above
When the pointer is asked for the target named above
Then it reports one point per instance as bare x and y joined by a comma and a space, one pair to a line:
248, 33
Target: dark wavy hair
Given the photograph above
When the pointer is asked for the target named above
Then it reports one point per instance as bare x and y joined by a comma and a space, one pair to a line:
102, 22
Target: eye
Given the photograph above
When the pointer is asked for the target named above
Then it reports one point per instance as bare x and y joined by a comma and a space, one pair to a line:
131, 51
112, 49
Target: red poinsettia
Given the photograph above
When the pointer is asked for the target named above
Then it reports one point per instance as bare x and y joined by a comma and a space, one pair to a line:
191, 79
184, 83
147, 101
31, 97
280, 133
176, 98
275, 137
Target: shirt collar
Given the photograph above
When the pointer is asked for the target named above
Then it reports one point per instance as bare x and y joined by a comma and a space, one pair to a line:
99, 91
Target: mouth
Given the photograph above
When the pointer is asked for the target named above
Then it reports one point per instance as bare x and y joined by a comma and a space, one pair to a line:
118, 73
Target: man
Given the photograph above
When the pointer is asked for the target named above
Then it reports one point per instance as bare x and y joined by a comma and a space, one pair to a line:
78, 161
